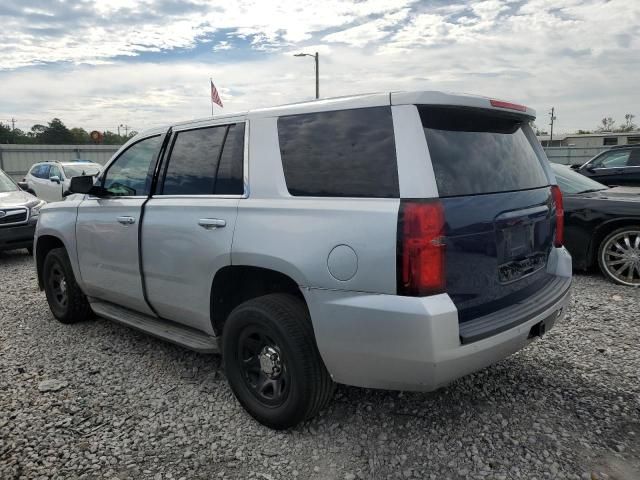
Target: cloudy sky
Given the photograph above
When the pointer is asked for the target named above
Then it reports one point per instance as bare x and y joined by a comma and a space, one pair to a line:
97, 64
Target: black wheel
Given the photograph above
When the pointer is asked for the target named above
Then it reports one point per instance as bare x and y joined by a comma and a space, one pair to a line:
66, 301
272, 361
619, 256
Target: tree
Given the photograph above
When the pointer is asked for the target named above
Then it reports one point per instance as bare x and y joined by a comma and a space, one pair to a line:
583, 132
628, 126
56, 133
5, 134
607, 124
80, 136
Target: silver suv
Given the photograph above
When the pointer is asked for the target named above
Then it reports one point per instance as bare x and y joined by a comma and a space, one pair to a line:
393, 241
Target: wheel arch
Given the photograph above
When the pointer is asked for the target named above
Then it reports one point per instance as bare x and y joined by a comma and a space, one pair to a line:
235, 284
44, 244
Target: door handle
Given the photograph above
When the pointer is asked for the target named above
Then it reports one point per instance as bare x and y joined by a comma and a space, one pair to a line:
211, 223
126, 220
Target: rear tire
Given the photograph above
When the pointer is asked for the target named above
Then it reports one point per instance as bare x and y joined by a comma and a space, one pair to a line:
272, 362
66, 301
619, 256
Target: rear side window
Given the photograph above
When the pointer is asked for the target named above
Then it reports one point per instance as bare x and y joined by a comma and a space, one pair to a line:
476, 151
206, 161
345, 153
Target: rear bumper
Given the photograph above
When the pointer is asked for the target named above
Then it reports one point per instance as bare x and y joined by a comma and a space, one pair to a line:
20, 236
411, 343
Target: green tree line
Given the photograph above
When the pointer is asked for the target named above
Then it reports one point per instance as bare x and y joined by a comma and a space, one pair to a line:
57, 133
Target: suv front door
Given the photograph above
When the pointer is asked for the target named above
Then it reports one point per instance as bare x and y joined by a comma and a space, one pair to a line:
107, 228
189, 221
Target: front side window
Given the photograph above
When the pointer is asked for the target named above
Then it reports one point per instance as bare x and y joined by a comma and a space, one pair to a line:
54, 171
612, 160
206, 161
343, 153
130, 174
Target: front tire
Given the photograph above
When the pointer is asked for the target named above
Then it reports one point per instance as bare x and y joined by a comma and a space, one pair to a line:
272, 362
619, 256
66, 301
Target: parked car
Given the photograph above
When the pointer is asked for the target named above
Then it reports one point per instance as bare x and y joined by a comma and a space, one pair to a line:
602, 226
19, 212
617, 166
50, 180
392, 241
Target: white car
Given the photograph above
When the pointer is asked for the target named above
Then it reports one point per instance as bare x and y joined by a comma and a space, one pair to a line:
49, 180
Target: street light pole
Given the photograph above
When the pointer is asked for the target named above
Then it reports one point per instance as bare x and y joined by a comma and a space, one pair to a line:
316, 57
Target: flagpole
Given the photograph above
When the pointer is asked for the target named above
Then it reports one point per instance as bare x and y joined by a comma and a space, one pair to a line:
211, 99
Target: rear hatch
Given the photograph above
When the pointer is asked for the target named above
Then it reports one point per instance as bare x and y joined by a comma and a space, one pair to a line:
499, 216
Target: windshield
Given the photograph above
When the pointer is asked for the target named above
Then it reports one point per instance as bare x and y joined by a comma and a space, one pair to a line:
6, 183
81, 169
572, 182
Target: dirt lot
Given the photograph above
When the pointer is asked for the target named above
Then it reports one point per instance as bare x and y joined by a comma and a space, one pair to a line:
121, 405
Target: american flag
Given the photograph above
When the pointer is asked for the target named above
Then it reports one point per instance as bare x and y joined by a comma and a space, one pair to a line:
215, 98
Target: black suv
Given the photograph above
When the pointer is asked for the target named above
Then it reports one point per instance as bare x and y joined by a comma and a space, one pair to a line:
616, 166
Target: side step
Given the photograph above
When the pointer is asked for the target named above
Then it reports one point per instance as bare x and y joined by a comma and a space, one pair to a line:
175, 333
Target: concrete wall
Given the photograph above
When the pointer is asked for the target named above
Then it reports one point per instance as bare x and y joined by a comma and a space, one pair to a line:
17, 159
572, 155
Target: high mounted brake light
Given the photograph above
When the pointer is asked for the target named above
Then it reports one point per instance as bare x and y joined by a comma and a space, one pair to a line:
421, 248
508, 105
557, 199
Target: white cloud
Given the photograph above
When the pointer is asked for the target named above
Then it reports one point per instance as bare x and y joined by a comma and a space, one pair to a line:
580, 57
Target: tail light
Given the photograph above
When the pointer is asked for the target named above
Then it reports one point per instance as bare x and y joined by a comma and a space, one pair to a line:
557, 199
421, 248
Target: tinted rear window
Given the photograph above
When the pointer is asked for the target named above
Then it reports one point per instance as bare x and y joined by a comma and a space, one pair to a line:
476, 151
345, 153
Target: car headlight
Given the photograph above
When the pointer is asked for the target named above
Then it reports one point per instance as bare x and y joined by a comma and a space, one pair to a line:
35, 210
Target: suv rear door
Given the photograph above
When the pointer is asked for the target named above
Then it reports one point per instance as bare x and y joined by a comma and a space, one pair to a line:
107, 228
498, 206
189, 221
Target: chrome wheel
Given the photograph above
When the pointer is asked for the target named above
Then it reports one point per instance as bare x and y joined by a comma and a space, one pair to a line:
58, 286
620, 257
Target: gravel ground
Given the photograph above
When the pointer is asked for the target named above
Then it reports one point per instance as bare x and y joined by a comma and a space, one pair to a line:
121, 405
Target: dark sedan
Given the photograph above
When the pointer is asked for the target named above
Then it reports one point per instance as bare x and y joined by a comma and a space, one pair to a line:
602, 225
617, 166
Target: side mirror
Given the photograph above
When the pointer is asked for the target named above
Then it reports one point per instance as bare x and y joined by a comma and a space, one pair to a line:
590, 169
81, 184
55, 178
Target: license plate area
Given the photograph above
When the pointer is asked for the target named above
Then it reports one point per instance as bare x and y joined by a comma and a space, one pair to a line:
520, 243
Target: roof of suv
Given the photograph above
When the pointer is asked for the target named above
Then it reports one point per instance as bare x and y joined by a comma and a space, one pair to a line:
360, 101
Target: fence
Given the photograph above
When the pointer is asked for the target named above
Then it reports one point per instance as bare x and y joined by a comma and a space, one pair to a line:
16, 160
572, 155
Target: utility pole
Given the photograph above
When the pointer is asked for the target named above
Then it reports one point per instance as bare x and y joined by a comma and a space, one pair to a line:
553, 117
13, 124
119, 129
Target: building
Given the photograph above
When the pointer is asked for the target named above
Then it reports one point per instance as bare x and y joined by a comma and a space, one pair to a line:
591, 140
